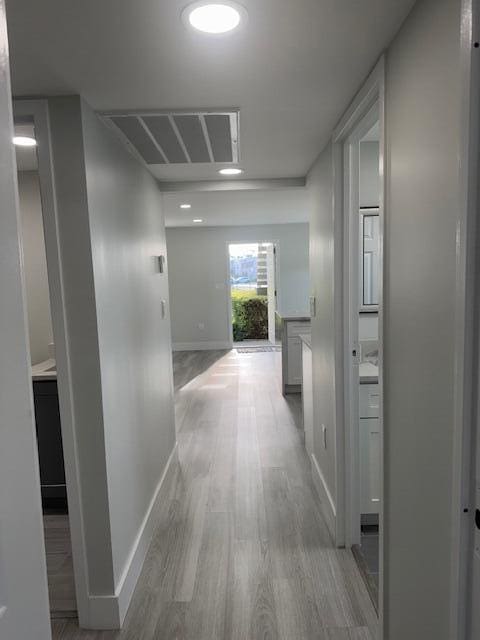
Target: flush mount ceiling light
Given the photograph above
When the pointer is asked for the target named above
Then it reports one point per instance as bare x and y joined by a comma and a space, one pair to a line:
214, 18
197, 220
185, 206
24, 141
230, 171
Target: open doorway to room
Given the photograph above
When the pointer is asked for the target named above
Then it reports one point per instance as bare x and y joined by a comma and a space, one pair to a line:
359, 193
50, 369
253, 293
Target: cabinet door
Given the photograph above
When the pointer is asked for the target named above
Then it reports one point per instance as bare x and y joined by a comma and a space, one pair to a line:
369, 465
294, 361
369, 401
49, 438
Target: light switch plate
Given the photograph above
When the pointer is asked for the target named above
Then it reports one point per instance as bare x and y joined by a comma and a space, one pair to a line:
161, 264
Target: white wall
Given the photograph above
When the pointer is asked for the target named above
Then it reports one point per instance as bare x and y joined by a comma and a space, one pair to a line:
35, 266
369, 191
423, 120
422, 197
127, 234
24, 609
199, 275
111, 229
322, 230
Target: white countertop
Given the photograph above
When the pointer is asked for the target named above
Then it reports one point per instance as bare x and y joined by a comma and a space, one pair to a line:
46, 370
368, 373
294, 316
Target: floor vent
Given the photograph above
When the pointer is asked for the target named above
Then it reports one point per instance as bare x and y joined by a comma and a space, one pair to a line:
179, 137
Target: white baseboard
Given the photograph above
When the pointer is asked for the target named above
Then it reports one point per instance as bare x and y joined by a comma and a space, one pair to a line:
109, 611
328, 504
201, 346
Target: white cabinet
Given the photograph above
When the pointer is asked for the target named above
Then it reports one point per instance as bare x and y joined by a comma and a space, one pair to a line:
291, 330
370, 449
307, 397
294, 359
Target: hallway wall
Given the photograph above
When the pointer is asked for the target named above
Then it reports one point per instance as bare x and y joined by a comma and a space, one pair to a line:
423, 117
111, 231
422, 197
199, 275
322, 230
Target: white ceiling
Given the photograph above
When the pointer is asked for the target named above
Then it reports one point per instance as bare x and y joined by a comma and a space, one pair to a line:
232, 208
292, 70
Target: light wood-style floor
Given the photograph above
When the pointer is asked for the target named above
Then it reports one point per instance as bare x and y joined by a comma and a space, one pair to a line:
58, 549
242, 551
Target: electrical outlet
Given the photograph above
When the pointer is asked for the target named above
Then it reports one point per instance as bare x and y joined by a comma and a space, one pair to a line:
324, 435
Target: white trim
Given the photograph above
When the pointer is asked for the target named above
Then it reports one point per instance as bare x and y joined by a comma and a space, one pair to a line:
201, 346
109, 611
466, 330
372, 92
328, 504
38, 110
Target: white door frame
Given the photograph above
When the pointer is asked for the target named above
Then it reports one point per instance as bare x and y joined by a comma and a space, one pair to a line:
24, 611
37, 110
370, 96
467, 333
276, 244
352, 268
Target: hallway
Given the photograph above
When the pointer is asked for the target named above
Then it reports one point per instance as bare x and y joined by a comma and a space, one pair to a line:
242, 551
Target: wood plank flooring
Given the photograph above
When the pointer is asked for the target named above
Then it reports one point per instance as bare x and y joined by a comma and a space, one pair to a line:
58, 549
242, 551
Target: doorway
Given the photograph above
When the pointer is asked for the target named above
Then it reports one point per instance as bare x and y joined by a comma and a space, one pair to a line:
58, 545
56, 406
253, 294
358, 157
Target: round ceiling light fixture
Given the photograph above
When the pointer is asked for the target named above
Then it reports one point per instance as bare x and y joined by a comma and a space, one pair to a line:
230, 171
24, 141
185, 206
214, 18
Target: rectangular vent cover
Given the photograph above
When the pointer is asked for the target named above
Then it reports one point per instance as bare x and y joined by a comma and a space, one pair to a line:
179, 137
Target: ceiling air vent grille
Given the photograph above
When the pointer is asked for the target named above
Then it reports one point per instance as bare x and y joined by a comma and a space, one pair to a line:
179, 137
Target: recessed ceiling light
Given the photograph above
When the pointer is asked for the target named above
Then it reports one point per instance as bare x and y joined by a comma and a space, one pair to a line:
197, 220
185, 206
214, 18
24, 141
230, 171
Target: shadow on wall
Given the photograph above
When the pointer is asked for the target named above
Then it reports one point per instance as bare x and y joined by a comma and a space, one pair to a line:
187, 365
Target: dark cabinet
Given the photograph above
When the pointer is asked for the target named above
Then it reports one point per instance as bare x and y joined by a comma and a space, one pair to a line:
50, 449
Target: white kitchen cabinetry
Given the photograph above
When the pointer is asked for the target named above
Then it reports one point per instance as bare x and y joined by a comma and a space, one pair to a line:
307, 396
294, 355
289, 330
370, 450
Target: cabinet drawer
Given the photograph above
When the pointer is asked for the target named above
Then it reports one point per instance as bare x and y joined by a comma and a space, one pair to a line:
297, 328
369, 401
